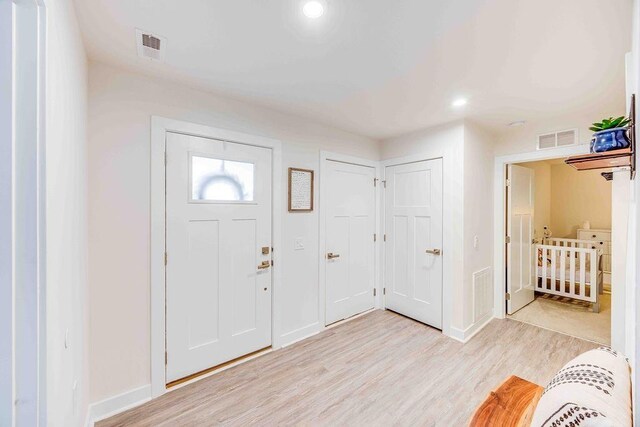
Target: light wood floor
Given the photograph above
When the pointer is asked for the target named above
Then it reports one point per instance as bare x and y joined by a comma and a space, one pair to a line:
379, 369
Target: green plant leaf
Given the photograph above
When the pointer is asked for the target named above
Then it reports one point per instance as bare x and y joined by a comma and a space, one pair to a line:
616, 122
594, 129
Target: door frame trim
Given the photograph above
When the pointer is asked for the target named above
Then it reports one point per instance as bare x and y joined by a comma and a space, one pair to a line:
499, 213
326, 156
448, 156
23, 219
159, 128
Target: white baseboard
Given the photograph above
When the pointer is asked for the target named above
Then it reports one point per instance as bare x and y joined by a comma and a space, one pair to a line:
116, 404
300, 334
464, 335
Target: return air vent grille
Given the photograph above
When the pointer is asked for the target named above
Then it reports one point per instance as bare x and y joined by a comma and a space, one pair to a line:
558, 139
151, 42
482, 293
150, 46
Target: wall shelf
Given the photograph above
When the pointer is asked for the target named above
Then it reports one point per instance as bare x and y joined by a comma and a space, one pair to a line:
611, 159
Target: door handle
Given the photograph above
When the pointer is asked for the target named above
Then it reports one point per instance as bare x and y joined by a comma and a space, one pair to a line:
434, 251
264, 265
331, 255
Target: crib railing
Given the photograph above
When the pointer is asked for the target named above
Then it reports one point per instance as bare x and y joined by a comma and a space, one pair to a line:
564, 270
569, 243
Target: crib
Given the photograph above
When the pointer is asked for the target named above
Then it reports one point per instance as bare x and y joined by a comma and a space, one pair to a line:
570, 268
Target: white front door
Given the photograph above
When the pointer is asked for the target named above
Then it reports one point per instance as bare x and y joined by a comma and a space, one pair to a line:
218, 276
350, 228
413, 249
520, 247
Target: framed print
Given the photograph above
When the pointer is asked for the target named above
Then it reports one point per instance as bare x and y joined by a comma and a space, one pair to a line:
300, 190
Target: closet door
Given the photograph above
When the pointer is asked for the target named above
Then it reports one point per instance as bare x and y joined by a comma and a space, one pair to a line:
350, 228
413, 249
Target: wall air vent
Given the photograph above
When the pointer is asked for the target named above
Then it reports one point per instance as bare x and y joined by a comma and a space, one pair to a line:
151, 46
557, 139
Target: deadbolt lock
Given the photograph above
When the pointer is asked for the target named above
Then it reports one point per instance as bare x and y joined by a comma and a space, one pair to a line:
265, 250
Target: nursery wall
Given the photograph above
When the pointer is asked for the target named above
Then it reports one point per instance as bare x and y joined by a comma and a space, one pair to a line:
576, 197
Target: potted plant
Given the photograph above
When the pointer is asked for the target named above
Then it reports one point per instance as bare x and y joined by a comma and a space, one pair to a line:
610, 134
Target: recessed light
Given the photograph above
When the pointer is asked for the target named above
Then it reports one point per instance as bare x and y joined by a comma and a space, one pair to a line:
517, 123
460, 102
313, 9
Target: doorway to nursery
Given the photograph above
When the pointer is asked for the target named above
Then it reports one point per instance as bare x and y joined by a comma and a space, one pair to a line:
558, 248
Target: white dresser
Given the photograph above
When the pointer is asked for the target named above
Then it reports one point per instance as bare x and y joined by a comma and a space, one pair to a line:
601, 240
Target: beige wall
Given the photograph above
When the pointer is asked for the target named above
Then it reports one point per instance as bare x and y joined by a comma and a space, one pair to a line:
66, 210
120, 108
576, 197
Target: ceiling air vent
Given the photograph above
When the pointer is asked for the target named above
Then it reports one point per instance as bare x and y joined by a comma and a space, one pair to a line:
558, 139
151, 46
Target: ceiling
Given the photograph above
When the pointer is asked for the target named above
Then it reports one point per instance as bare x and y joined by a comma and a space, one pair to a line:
382, 68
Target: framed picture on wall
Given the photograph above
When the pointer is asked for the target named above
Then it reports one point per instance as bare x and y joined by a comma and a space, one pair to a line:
300, 190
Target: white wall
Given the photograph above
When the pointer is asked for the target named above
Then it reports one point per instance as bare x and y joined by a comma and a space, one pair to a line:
66, 155
6, 215
478, 211
523, 139
620, 190
120, 108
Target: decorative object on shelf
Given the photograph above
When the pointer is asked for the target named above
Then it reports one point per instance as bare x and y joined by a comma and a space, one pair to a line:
622, 158
586, 225
300, 190
610, 134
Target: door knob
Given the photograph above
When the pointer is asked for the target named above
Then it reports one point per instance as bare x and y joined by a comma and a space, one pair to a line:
264, 265
331, 255
433, 251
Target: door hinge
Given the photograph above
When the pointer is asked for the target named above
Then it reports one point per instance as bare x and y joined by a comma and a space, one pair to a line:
384, 184
374, 292
508, 296
508, 239
384, 291
384, 237
271, 263
508, 183
166, 358
375, 237
375, 182
166, 258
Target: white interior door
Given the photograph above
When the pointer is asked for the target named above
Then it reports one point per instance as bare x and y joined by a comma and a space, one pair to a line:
218, 296
520, 247
350, 228
413, 227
